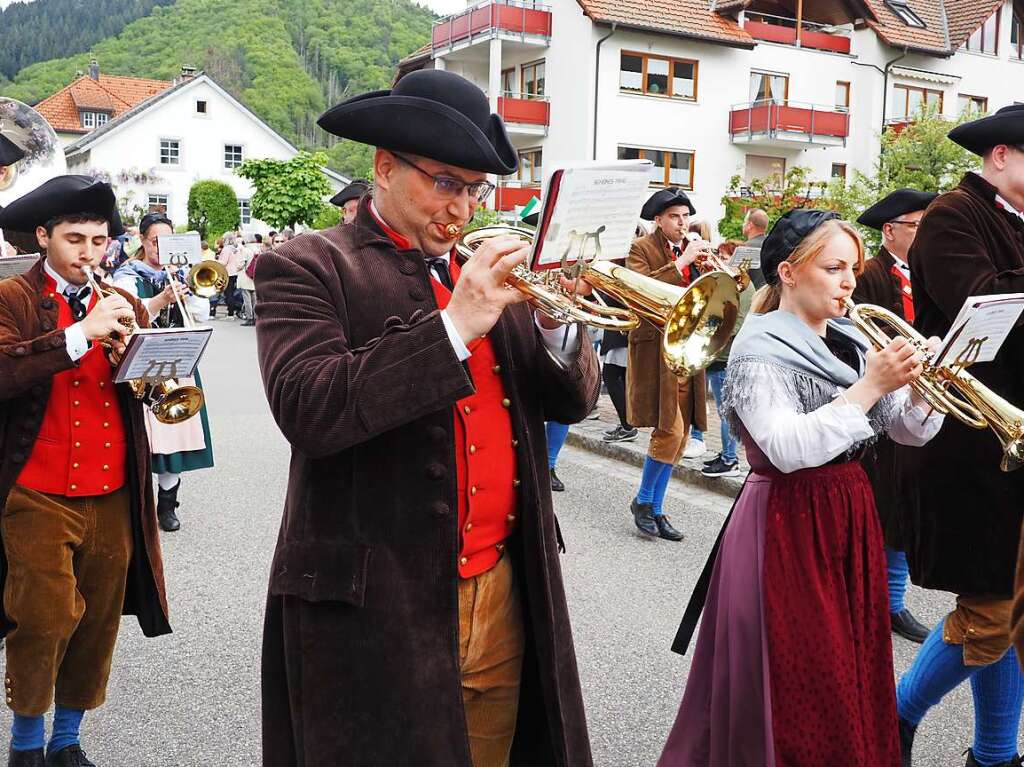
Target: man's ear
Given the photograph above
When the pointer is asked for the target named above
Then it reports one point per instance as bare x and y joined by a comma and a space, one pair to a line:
384, 166
42, 237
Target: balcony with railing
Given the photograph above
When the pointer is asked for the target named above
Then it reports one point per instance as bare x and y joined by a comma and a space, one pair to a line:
788, 124
517, 21
524, 113
803, 34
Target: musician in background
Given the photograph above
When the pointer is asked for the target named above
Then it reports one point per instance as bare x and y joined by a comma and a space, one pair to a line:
886, 283
961, 514
186, 446
755, 226
348, 199
76, 508
655, 395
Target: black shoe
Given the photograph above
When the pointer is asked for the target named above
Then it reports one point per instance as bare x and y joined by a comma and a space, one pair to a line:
716, 458
665, 529
33, 758
622, 435
907, 732
72, 756
556, 484
719, 468
249, 323
972, 762
643, 517
166, 503
908, 627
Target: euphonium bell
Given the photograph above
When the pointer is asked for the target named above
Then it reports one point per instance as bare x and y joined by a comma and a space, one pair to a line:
207, 279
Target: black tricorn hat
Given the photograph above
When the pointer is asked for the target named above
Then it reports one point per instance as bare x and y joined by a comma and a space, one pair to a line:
10, 152
1004, 127
894, 205
432, 113
665, 198
356, 189
61, 196
784, 237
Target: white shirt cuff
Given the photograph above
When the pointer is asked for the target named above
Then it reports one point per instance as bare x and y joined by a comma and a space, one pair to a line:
461, 351
76, 342
563, 342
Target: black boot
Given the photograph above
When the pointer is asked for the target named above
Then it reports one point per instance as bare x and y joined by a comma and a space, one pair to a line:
643, 517
72, 756
907, 732
907, 626
33, 758
556, 484
665, 529
166, 503
972, 762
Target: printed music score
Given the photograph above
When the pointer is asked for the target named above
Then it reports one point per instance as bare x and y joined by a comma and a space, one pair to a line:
158, 354
12, 266
748, 255
980, 328
590, 207
180, 249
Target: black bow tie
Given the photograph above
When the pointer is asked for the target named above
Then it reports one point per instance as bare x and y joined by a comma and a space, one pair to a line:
440, 268
77, 299
677, 251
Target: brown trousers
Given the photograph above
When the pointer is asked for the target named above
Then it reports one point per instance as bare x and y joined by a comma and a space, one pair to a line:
667, 446
491, 659
67, 564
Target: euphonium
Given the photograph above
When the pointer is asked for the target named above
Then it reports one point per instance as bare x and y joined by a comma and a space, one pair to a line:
949, 389
696, 322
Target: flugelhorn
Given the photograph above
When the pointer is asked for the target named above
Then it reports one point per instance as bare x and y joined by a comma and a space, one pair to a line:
949, 389
696, 322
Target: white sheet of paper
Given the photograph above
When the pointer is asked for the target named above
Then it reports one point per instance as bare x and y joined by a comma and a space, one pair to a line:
984, 319
180, 249
591, 196
746, 253
12, 266
162, 353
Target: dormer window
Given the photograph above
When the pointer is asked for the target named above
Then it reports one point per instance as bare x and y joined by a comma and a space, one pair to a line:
92, 120
905, 12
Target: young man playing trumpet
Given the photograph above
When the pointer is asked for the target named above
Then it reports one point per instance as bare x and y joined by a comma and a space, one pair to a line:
77, 523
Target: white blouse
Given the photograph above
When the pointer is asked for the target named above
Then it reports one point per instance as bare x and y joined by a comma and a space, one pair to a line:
792, 440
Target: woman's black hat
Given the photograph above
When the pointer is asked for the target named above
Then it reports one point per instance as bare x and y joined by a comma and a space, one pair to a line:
432, 113
356, 189
1004, 127
663, 199
63, 196
894, 205
156, 217
788, 232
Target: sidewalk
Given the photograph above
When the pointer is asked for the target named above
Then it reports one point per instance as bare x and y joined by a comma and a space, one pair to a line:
588, 435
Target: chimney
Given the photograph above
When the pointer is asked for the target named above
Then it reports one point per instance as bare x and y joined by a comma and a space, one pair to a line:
94, 70
187, 72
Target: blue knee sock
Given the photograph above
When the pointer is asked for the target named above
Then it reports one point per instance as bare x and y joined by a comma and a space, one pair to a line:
998, 694
896, 562
556, 433
649, 480
660, 488
937, 669
27, 733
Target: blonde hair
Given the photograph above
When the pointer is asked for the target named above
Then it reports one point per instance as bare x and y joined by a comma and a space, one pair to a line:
767, 298
702, 228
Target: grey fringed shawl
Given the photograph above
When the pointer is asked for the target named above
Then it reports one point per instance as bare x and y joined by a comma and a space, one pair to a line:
777, 360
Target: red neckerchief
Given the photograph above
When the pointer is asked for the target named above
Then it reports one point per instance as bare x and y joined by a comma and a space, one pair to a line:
906, 292
402, 243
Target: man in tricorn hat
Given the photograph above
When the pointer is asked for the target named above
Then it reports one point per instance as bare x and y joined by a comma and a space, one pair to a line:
79, 530
885, 282
348, 199
416, 612
655, 396
961, 514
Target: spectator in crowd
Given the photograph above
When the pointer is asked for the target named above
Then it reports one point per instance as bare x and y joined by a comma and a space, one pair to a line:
207, 251
244, 281
228, 258
288, 233
279, 239
755, 224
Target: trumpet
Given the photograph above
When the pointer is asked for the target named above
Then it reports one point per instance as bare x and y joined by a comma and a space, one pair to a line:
949, 389
713, 262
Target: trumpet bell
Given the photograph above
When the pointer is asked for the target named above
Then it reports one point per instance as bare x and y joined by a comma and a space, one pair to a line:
173, 402
208, 279
701, 324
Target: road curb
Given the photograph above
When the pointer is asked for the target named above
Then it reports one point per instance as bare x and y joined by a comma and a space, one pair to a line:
686, 471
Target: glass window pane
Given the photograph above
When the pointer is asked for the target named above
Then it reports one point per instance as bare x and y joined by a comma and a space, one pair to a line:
629, 153
631, 73
682, 80
898, 103
539, 80
842, 94
778, 88
658, 171
974, 41
657, 76
989, 33
913, 103
508, 78
679, 173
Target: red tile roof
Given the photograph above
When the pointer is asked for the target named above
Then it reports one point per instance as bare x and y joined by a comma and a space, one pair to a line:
948, 24
111, 94
689, 18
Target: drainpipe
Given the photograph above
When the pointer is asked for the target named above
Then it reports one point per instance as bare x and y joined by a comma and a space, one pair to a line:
597, 82
885, 80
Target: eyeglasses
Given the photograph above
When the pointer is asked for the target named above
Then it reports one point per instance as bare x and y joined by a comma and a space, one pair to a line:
911, 224
449, 187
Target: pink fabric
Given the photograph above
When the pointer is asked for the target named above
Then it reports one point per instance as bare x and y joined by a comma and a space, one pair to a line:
165, 439
228, 257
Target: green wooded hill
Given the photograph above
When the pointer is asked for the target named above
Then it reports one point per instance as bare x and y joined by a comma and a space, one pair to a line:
287, 60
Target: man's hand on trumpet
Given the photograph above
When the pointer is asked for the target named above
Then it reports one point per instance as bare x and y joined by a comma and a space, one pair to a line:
696, 250
104, 321
481, 296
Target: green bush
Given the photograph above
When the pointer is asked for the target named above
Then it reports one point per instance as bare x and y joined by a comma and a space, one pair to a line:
329, 216
212, 208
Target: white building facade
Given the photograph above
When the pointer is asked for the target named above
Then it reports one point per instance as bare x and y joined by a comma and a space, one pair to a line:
194, 131
708, 94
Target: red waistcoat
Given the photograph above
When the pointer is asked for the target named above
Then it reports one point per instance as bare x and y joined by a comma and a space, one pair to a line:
82, 444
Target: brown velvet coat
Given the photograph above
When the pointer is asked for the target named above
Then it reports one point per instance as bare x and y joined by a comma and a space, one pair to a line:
32, 351
962, 515
877, 285
652, 390
360, 656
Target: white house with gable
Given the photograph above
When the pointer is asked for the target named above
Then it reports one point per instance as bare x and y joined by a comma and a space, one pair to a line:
192, 131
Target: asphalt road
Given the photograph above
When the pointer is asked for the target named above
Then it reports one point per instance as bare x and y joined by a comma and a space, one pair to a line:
192, 699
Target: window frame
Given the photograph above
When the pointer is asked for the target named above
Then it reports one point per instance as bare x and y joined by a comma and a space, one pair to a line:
849, 89
150, 204
924, 99
972, 104
205, 111
832, 170
1017, 22
532, 66
511, 73
160, 152
536, 151
247, 202
672, 61
905, 13
668, 168
241, 156
981, 32
766, 74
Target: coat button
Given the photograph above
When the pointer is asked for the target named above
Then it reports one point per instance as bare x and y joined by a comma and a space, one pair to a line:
506, 403
106, 487
500, 546
510, 518
21, 351
74, 465
78, 444
408, 266
106, 445
469, 526
436, 471
496, 369
472, 449
438, 434
515, 443
73, 487
440, 509
416, 294
463, 561
465, 409
472, 490
516, 483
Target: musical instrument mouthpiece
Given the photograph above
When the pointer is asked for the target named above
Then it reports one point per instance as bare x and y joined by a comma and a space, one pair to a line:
453, 231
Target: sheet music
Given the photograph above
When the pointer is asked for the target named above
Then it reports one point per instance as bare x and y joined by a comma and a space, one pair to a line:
180, 249
980, 328
12, 266
588, 199
746, 253
156, 354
